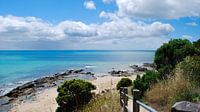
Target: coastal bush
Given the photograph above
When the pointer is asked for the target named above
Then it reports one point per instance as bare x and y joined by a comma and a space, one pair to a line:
124, 82
143, 83
191, 68
169, 54
73, 94
177, 87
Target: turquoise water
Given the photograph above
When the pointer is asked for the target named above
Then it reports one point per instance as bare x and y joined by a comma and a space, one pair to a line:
20, 66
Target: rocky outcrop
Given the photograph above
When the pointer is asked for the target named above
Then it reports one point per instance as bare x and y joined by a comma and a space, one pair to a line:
134, 66
185, 106
143, 68
29, 89
119, 73
152, 65
44, 82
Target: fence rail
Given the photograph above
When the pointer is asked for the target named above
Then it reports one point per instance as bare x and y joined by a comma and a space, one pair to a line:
124, 97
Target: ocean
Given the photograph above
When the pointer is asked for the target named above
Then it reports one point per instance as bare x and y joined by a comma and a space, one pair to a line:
18, 67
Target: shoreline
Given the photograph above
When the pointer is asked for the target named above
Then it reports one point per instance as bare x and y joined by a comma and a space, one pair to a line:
44, 89
45, 99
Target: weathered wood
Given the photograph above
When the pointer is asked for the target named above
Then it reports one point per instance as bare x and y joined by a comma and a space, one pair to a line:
125, 91
120, 93
136, 96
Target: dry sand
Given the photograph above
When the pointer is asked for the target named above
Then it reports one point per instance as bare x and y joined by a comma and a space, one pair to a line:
45, 101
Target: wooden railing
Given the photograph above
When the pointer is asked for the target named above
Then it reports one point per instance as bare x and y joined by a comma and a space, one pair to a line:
135, 98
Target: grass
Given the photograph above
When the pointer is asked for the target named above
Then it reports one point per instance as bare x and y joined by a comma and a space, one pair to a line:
165, 93
108, 102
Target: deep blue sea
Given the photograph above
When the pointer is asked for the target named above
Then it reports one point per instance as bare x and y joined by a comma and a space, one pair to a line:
20, 66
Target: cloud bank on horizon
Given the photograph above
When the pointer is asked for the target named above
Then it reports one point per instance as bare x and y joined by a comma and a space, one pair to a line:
135, 24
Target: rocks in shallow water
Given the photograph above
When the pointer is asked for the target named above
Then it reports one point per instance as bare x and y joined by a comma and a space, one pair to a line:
5, 103
44, 82
185, 106
27, 90
21, 90
152, 65
78, 71
4, 100
133, 66
144, 67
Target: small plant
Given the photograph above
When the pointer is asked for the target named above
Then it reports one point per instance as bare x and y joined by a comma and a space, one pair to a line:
143, 83
124, 82
73, 94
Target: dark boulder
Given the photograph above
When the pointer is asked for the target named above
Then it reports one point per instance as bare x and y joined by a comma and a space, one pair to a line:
134, 66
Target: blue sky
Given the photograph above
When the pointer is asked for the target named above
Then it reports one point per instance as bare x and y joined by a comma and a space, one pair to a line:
55, 10
96, 24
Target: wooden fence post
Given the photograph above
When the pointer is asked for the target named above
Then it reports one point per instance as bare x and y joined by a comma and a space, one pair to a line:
125, 90
121, 96
136, 96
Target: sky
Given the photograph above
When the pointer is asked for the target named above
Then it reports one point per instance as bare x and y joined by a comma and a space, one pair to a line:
96, 24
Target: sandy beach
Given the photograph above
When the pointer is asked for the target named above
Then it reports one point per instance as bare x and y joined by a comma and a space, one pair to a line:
45, 100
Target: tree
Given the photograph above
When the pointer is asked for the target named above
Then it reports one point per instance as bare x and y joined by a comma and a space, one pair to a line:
169, 54
73, 94
197, 44
124, 82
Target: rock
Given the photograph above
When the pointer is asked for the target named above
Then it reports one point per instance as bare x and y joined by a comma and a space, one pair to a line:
70, 71
141, 69
102, 92
185, 106
134, 66
20, 90
152, 65
4, 100
107, 90
78, 71
119, 73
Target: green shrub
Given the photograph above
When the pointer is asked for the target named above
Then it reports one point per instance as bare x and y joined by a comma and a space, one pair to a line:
188, 96
143, 83
124, 82
73, 94
171, 53
191, 68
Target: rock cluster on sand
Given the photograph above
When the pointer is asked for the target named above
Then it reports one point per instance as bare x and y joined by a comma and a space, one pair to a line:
30, 88
136, 68
143, 68
119, 73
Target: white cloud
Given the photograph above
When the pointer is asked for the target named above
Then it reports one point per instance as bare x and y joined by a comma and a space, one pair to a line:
90, 5
77, 29
71, 34
187, 37
169, 9
111, 16
27, 28
125, 28
192, 24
